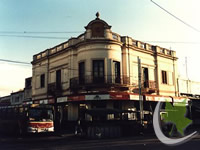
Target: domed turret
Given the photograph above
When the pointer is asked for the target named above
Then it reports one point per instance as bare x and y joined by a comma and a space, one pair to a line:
97, 28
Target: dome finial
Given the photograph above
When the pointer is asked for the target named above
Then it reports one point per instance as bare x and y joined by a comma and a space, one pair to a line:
97, 14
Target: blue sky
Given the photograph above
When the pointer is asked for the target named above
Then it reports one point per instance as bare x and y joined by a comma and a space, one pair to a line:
139, 19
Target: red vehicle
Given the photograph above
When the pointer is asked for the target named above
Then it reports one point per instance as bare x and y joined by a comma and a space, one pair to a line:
26, 119
40, 119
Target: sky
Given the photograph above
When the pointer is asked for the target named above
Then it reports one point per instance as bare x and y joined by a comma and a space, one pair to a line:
22, 23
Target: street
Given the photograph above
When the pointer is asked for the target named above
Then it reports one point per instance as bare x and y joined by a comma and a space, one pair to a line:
70, 142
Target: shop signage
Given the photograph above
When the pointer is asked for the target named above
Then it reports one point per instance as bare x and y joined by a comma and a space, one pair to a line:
97, 97
62, 99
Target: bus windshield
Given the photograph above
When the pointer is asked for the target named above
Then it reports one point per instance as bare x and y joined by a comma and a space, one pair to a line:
40, 114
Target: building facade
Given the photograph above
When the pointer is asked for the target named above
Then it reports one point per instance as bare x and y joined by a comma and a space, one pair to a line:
101, 69
188, 87
28, 91
17, 98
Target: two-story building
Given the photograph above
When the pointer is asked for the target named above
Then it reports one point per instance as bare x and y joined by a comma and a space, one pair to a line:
99, 69
17, 98
28, 91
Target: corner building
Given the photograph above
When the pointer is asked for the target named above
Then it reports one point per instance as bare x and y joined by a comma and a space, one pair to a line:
98, 72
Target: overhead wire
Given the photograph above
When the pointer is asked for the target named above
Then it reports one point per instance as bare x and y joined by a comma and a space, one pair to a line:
187, 24
30, 36
26, 34
14, 61
66, 38
39, 32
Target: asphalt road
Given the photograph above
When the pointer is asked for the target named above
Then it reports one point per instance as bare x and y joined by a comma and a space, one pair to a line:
70, 142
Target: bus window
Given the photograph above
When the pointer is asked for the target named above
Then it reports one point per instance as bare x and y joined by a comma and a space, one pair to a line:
40, 115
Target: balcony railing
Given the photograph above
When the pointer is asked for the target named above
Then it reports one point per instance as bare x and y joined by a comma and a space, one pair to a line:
54, 89
111, 81
98, 81
148, 86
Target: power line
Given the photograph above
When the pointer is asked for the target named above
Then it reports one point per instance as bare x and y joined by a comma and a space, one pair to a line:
66, 38
39, 32
176, 17
13, 61
30, 36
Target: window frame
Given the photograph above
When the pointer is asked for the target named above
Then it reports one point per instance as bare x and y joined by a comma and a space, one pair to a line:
81, 72
164, 77
58, 78
97, 77
117, 71
42, 81
145, 77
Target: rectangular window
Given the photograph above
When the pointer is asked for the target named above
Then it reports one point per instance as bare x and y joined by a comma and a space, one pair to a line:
82, 73
58, 79
116, 71
98, 71
164, 77
17, 99
28, 82
42, 81
145, 77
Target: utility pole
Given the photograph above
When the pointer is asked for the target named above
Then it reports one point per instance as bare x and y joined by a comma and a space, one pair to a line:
140, 92
186, 69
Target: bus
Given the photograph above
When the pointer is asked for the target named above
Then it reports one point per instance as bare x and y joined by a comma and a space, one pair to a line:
33, 118
40, 119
